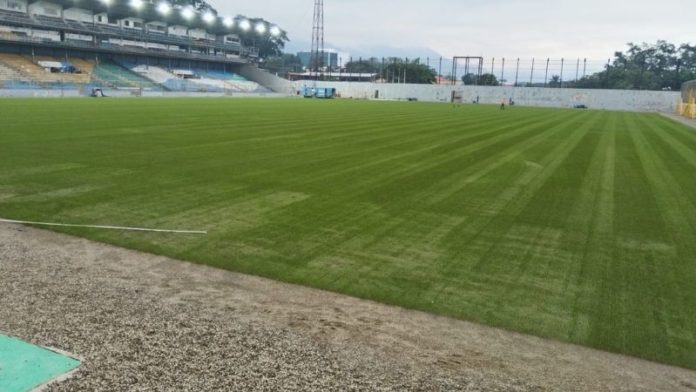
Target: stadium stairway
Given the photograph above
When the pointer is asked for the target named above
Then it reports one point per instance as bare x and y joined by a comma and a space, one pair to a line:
171, 81
232, 81
111, 74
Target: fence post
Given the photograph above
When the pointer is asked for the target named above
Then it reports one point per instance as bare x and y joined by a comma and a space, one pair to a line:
584, 68
502, 73
517, 72
440, 70
531, 74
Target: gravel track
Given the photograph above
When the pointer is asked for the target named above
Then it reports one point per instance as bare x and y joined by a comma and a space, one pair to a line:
147, 323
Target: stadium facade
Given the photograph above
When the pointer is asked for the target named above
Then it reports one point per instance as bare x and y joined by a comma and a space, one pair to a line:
138, 45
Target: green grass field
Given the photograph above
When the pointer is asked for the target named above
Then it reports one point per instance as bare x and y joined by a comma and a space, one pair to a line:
573, 225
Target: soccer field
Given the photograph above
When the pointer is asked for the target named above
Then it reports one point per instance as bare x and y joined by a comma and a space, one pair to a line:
573, 225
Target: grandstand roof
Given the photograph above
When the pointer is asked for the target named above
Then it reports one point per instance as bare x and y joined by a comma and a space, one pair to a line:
123, 9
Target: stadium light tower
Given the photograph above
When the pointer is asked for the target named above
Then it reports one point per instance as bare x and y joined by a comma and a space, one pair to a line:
316, 57
164, 8
188, 13
137, 4
208, 17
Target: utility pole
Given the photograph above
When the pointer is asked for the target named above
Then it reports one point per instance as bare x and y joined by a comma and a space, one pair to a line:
317, 54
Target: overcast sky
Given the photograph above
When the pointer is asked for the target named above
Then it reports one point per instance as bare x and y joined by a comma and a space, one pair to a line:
591, 29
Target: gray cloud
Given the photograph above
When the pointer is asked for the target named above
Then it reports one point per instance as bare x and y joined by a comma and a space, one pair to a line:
493, 28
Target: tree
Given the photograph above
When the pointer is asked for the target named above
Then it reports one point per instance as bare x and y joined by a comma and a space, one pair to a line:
645, 67
470, 79
283, 64
486, 79
555, 81
409, 71
268, 44
372, 65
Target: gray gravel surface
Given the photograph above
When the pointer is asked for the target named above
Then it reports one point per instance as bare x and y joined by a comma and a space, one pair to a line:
147, 323
681, 119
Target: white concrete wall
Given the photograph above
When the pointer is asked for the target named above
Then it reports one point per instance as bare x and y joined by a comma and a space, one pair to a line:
14, 5
266, 79
132, 23
178, 30
156, 27
197, 33
655, 101
73, 93
46, 9
78, 14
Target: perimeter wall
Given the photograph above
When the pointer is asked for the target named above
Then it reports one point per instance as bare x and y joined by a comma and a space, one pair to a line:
629, 100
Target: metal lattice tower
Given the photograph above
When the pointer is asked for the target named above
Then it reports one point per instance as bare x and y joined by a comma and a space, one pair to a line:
316, 60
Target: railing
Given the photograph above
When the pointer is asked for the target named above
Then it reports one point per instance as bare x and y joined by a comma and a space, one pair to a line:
42, 22
76, 44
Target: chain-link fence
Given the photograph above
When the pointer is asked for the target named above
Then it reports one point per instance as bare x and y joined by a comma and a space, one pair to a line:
523, 72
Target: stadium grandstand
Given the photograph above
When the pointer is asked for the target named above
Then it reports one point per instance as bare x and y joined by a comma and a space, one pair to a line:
129, 46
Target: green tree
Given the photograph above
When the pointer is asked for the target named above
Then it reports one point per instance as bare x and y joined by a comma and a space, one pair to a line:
403, 70
372, 65
657, 66
283, 64
486, 79
269, 45
555, 81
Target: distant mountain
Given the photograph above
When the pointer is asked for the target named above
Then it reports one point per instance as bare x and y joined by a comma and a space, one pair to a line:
390, 51
368, 51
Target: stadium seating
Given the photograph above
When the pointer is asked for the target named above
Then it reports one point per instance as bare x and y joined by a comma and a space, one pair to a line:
110, 74
232, 81
176, 83
32, 71
10, 74
18, 71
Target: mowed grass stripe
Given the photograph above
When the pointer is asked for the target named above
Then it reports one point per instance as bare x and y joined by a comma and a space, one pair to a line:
573, 225
658, 279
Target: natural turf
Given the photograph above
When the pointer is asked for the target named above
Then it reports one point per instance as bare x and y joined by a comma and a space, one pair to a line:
579, 226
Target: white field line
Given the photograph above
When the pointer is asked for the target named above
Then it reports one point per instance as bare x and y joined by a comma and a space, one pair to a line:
104, 227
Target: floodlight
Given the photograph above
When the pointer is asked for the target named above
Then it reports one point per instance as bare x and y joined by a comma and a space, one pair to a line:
188, 13
245, 25
164, 8
137, 4
260, 28
228, 22
275, 31
208, 17
105, 2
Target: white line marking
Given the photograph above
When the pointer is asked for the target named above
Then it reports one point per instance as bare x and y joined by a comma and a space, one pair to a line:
104, 227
